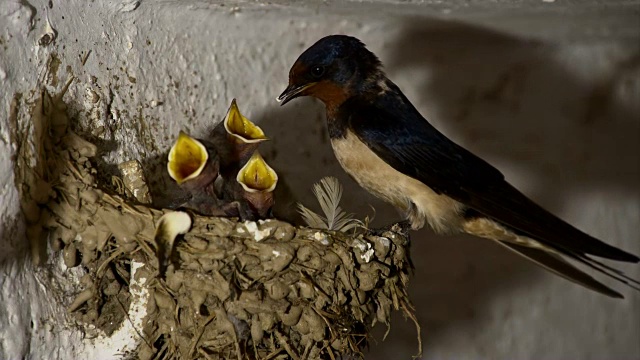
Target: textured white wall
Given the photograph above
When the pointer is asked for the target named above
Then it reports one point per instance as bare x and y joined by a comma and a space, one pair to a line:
547, 91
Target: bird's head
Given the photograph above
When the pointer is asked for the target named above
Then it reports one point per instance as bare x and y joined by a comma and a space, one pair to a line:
331, 70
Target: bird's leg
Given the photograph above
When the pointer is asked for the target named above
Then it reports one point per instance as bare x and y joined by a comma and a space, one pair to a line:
401, 228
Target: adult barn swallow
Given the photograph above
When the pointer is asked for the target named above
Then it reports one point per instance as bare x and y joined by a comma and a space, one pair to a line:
392, 151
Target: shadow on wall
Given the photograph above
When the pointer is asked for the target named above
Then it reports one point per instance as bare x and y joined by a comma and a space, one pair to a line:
506, 99
513, 103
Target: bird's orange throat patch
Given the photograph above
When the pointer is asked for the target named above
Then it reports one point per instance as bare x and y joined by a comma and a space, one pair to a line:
331, 94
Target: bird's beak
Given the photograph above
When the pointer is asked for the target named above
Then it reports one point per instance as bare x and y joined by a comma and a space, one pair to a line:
292, 92
257, 176
187, 158
240, 127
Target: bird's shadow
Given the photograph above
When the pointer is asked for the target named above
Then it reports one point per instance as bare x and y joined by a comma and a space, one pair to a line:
506, 99
509, 100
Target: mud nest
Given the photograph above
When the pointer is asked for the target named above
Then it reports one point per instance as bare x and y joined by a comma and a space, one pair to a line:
234, 290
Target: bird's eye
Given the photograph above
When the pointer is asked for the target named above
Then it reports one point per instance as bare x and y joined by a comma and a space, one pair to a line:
317, 71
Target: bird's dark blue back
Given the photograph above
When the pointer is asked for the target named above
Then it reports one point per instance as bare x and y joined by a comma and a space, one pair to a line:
394, 129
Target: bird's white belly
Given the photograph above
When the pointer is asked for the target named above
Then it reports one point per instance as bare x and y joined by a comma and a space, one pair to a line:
418, 201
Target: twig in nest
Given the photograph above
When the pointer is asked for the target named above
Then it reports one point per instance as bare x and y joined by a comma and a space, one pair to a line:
204, 353
330, 352
142, 242
194, 342
333, 334
307, 349
274, 354
104, 264
408, 310
118, 183
164, 349
228, 326
284, 343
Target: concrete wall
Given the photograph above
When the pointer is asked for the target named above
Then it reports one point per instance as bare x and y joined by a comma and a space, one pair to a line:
547, 91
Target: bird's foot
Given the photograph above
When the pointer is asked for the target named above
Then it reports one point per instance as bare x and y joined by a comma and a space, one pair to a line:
402, 228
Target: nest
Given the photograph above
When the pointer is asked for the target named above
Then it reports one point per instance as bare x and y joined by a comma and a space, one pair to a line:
233, 290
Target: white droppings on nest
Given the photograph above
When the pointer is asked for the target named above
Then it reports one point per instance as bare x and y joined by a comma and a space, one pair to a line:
385, 241
251, 226
276, 253
258, 235
322, 237
364, 247
127, 337
357, 243
366, 256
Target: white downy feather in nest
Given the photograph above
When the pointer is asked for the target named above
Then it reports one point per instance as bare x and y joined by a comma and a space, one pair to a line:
329, 192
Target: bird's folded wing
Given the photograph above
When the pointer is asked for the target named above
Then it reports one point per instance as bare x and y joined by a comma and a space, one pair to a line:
400, 136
